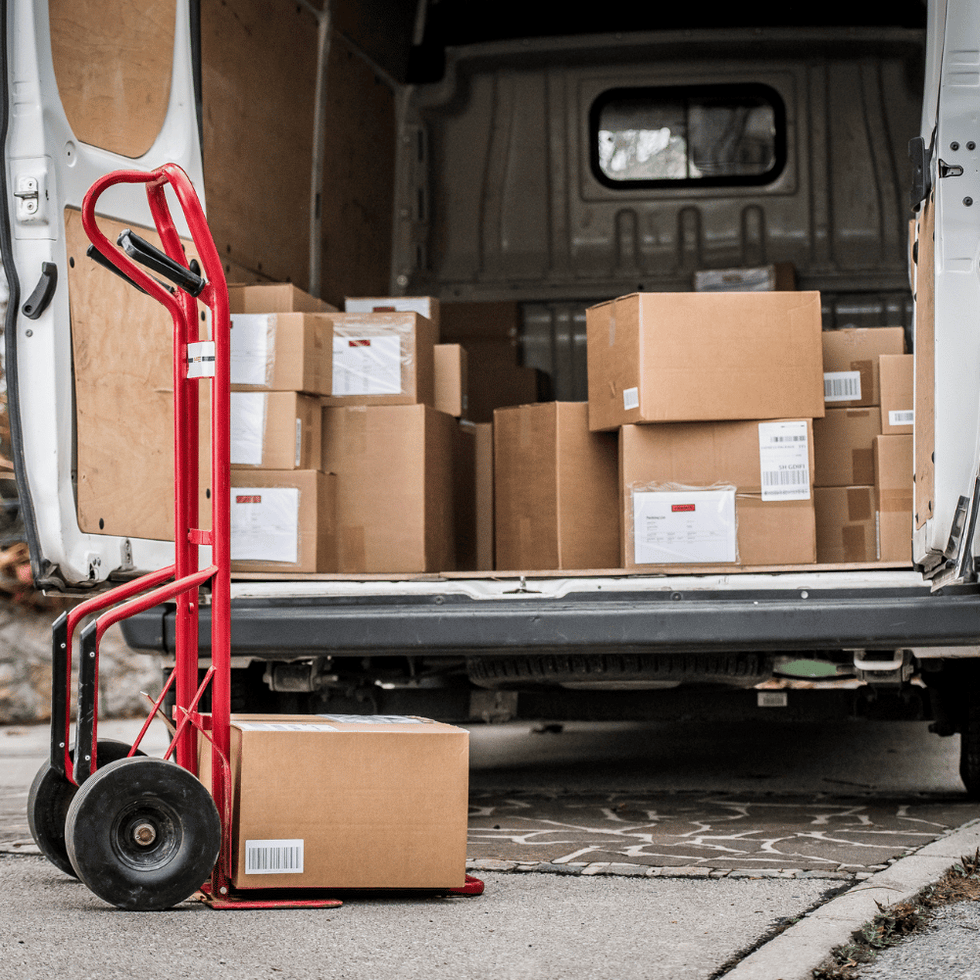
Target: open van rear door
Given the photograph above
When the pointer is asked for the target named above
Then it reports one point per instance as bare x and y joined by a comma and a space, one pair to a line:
945, 256
90, 86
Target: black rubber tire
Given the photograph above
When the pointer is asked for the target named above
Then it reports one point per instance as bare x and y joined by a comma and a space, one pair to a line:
970, 750
515, 673
162, 799
48, 801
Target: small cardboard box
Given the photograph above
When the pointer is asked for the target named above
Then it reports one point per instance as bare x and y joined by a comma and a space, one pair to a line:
555, 489
717, 493
897, 393
846, 525
347, 801
382, 359
682, 357
281, 352
275, 430
757, 279
850, 363
893, 497
451, 379
484, 496
283, 521
843, 447
394, 487
427, 306
274, 297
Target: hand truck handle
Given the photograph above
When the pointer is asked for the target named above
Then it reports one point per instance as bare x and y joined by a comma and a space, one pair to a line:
153, 258
96, 256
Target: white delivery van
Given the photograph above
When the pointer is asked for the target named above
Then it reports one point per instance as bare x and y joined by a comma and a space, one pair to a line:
546, 164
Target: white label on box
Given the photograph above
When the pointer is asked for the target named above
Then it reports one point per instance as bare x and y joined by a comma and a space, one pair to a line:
374, 720
677, 527
273, 857
784, 461
253, 346
904, 417
247, 427
631, 398
367, 365
283, 726
299, 442
265, 524
841, 386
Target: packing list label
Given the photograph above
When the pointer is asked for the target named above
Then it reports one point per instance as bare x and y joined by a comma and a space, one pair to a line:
252, 347
684, 526
784, 461
265, 524
367, 365
247, 427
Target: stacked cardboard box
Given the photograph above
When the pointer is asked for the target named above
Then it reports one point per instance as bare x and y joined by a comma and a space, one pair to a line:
713, 396
846, 470
894, 459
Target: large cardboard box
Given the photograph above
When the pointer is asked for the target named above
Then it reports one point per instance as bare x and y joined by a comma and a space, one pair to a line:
274, 297
682, 357
281, 352
843, 447
427, 306
275, 430
717, 493
382, 359
555, 489
464, 495
394, 487
347, 801
897, 394
451, 379
893, 497
850, 363
846, 525
283, 521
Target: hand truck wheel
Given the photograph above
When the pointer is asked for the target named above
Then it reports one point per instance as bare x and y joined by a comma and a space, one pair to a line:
48, 801
143, 834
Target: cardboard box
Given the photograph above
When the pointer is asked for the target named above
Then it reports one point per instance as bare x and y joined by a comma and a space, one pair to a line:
484, 496
394, 487
897, 394
846, 525
850, 363
281, 352
717, 493
382, 359
283, 521
464, 495
275, 430
495, 380
893, 497
427, 306
843, 447
347, 801
451, 379
757, 279
274, 297
555, 489
681, 357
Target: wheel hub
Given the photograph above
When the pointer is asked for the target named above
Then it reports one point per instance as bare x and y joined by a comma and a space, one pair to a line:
144, 834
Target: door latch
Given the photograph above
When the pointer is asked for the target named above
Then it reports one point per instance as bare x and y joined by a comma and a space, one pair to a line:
28, 197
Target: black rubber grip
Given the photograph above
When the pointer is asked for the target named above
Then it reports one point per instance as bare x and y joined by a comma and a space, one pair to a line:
140, 250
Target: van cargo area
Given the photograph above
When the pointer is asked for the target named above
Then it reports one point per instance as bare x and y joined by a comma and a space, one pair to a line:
649, 277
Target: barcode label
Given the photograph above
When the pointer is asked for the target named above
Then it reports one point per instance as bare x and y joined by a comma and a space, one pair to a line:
631, 399
906, 417
784, 461
273, 857
299, 442
842, 386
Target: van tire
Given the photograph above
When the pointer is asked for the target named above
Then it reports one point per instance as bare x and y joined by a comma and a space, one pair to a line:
970, 750
514, 673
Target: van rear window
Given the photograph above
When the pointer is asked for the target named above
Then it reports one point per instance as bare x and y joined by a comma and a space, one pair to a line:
698, 135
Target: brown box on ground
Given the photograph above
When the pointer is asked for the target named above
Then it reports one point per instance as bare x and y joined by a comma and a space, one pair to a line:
714, 493
757, 279
274, 297
555, 489
394, 487
850, 363
843, 447
451, 379
897, 394
382, 359
893, 497
283, 521
681, 357
427, 306
275, 430
281, 352
347, 801
846, 526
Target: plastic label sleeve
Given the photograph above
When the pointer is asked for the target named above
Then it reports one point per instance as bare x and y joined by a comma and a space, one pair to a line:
367, 365
784, 461
684, 526
247, 427
253, 347
265, 524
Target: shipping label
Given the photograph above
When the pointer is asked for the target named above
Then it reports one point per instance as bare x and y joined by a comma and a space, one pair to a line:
903, 417
631, 399
247, 427
273, 857
684, 526
253, 346
784, 461
367, 365
265, 524
842, 386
